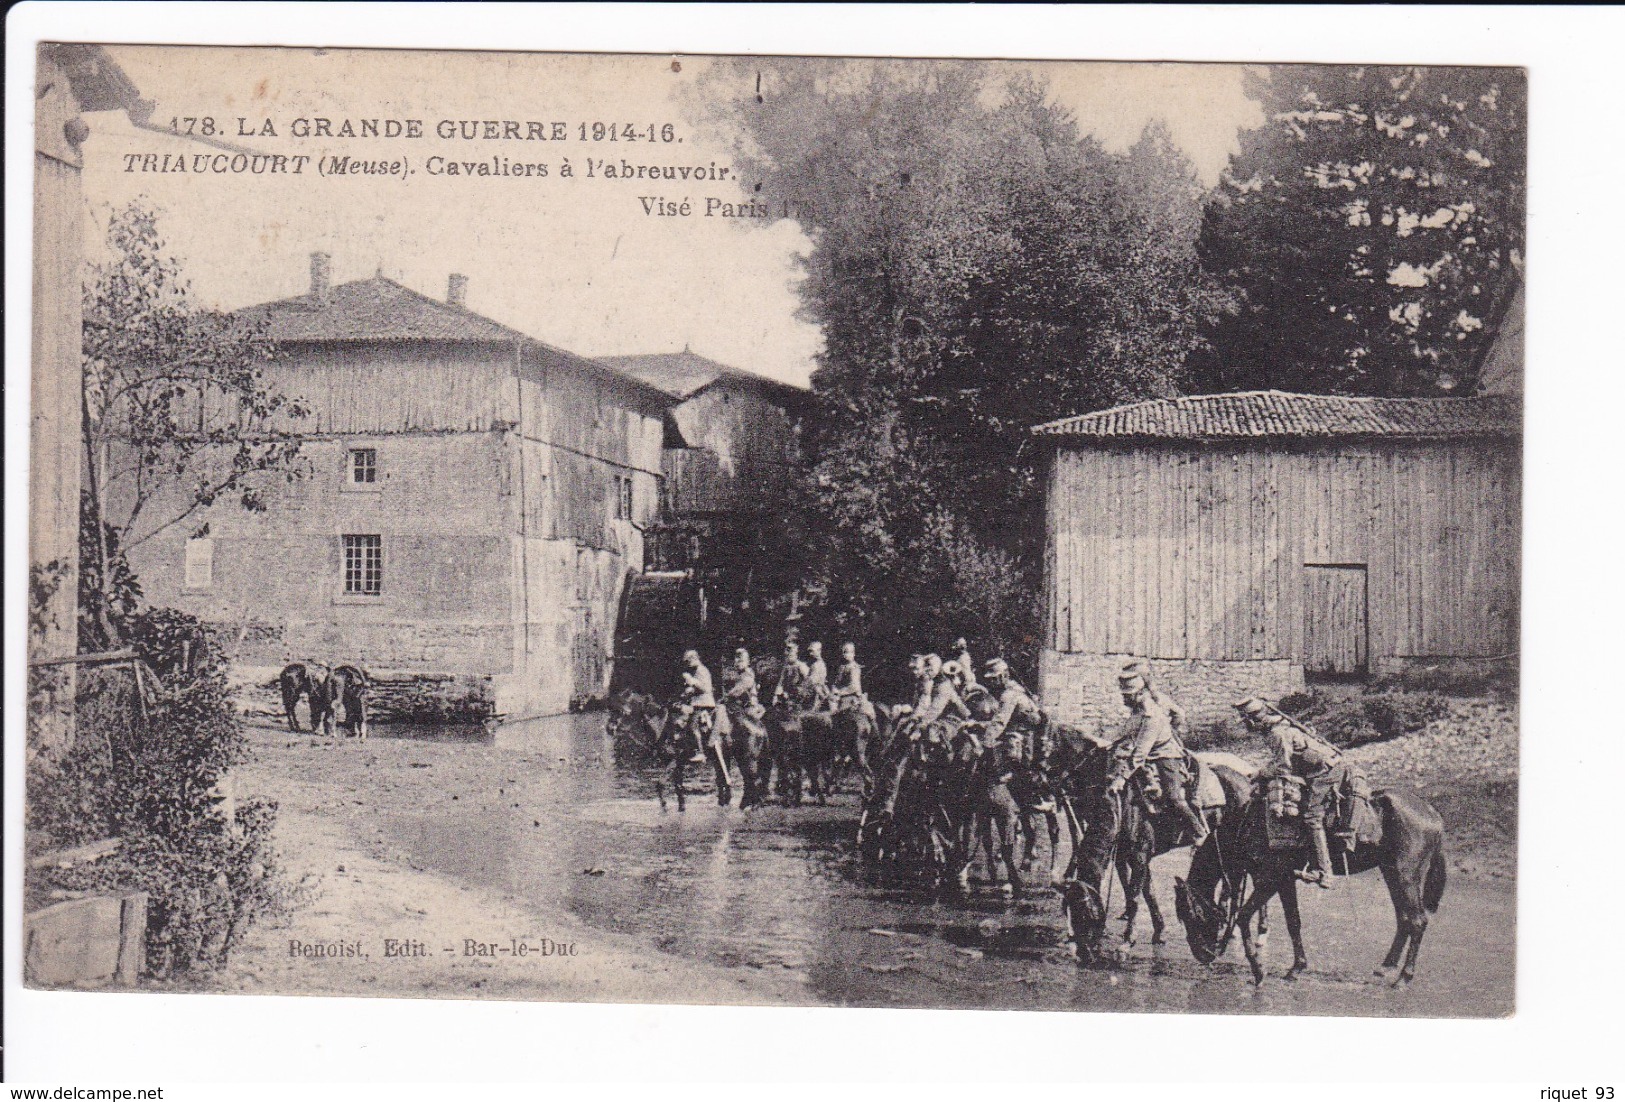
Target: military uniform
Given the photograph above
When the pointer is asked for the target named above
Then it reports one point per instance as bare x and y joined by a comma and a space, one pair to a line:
942, 701
792, 682
818, 680
739, 690
1297, 750
966, 669
1305, 754
848, 686
698, 703
1148, 739
1020, 716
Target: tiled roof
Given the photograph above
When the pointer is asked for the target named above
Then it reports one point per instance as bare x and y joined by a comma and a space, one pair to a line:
1272, 413
684, 374
377, 309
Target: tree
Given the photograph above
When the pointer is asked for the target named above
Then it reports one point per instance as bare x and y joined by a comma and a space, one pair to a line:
1372, 229
177, 413
977, 267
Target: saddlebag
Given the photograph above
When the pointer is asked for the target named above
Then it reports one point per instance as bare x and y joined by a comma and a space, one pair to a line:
1357, 820
1283, 805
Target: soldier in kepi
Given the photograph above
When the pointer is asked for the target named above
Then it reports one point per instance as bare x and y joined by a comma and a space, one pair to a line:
1296, 749
1022, 727
698, 702
847, 688
792, 677
739, 686
1148, 739
817, 674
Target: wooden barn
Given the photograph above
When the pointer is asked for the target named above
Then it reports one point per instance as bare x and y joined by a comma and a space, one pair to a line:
473, 509
1244, 542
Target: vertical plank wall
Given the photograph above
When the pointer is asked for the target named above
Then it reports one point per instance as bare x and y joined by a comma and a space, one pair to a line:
1197, 551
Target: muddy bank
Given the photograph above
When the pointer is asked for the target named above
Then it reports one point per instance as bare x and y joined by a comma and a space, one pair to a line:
539, 833
362, 895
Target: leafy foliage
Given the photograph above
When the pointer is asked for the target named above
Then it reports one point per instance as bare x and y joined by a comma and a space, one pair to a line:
177, 411
147, 768
977, 267
1372, 228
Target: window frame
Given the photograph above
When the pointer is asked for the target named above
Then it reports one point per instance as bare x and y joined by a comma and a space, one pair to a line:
361, 595
187, 585
625, 498
348, 483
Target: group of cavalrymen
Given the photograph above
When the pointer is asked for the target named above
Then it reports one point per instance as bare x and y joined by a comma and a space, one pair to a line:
1151, 743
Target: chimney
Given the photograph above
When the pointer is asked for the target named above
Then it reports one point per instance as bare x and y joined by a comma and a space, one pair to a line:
457, 290
321, 276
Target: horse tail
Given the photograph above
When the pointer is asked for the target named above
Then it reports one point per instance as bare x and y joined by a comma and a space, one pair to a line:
1433, 885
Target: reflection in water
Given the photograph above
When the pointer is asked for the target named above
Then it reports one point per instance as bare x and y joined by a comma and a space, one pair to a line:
578, 826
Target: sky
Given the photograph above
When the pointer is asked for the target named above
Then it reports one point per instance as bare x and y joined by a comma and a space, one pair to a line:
579, 263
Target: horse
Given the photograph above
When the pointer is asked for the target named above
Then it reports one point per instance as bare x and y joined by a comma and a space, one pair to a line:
1119, 832
807, 742
300, 679
656, 727
344, 687
1410, 855
908, 822
750, 747
867, 739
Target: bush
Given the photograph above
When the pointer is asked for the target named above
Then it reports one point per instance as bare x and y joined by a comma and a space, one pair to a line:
1372, 717
145, 768
1395, 714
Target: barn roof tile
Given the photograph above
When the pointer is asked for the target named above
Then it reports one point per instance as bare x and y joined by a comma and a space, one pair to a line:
684, 374
376, 309
1266, 414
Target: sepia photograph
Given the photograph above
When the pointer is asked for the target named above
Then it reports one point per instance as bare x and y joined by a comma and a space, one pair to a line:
776, 530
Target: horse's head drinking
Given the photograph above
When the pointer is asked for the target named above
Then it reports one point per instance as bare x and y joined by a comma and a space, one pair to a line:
1206, 920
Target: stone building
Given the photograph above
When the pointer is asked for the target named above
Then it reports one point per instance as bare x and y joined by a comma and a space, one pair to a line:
472, 511
728, 459
729, 452
1244, 542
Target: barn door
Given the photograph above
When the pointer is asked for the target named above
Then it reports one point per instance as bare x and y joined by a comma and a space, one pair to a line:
1334, 626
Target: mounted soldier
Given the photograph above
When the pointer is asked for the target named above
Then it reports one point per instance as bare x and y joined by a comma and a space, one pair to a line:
1019, 720
847, 689
1148, 740
967, 669
791, 686
817, 675
941, 699
1297, 751
697, 704
1176, 715
739, 687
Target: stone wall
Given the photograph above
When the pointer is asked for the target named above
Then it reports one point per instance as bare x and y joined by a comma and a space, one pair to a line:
1082, 688
274, 583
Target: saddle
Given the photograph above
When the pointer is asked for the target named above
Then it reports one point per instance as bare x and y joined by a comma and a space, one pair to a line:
1351, 820
1202, 783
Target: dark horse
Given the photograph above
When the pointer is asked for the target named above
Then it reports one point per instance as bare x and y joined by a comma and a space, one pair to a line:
345, 687
1119, 832
1410, 854
748, 745
808, 742
659, 730
301, 679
